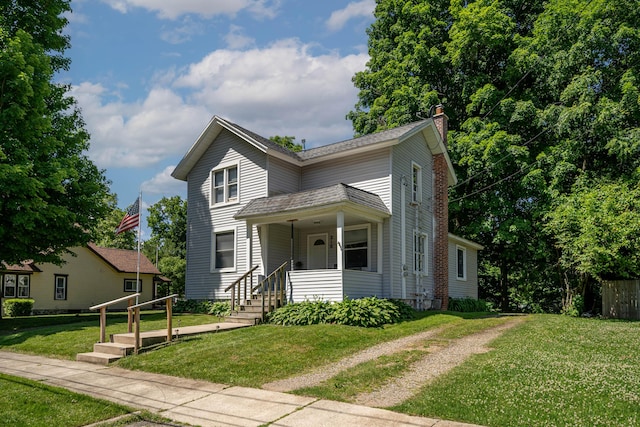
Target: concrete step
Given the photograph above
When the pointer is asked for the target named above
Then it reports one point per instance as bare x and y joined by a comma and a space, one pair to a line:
246, 318
115, 348
97, 358
146, 339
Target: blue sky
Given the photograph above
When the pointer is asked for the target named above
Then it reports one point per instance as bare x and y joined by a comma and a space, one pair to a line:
148, 76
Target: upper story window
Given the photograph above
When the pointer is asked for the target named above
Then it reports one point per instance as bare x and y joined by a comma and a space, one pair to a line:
416, 183
461, 262
224, 185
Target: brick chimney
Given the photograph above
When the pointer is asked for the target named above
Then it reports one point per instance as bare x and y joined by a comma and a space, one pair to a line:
441, 213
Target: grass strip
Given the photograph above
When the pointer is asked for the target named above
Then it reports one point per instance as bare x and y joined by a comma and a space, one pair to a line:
548, 371
33, 404
65, 337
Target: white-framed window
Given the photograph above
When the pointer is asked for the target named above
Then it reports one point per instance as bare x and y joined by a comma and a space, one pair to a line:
130, 285
9, 284
60, 287
461, 262
419, 253
223, 250
23, 286
225, 183
357, 255
416, 183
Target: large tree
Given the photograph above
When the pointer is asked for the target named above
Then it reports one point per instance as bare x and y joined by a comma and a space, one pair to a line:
542, 97
50, 193
168, 242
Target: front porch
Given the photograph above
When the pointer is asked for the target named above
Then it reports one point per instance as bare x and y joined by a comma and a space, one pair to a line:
333, 285
333, 238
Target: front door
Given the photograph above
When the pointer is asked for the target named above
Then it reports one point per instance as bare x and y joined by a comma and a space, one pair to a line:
317, 251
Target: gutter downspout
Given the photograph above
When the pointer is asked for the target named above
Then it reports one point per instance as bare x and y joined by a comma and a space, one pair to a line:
403, 237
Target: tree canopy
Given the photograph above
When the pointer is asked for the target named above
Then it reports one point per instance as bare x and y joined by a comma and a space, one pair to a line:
544, 109
51, 194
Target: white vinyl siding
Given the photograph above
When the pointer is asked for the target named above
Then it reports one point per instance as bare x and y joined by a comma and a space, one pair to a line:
283, 177
366, 171
228, 149
468, 287
406, 155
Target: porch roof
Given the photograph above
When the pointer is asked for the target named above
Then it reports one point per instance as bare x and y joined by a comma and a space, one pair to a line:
312, 201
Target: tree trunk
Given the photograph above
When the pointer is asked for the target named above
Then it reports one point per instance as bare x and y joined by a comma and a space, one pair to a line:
504, 287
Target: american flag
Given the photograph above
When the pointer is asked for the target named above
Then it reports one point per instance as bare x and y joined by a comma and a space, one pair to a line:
131, 218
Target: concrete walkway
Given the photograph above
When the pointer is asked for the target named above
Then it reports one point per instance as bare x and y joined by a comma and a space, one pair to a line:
202, 403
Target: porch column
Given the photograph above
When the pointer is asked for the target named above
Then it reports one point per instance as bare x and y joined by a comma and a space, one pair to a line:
340, 239
249, 243
379, 262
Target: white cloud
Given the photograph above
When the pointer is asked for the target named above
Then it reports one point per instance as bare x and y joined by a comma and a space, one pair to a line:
236, 39
138, 134
183, 32
339, 18
283, 89
279, 90
163, 183
172, 9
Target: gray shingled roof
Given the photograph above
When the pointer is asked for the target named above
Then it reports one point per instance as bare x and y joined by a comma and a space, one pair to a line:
337, 147
362, 141
327, 196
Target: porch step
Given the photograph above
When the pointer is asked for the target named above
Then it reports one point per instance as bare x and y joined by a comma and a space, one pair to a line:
97, 358
245, 318
115, 348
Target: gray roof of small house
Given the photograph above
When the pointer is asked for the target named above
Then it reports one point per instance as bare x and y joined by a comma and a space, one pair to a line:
319, 197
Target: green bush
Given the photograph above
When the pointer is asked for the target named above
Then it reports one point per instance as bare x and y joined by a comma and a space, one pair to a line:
15, 307
468, 305
220, 308
365, 312
192, 306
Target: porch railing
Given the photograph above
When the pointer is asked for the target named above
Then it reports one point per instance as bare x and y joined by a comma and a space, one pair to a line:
136, 315
103, 313
241, 285
274, 286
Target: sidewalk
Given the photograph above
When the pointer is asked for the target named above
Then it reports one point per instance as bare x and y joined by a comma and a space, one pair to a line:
202, 403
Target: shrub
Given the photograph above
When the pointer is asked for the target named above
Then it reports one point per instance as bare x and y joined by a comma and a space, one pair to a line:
18, 307
192, 306
220, 308
468, 305
365, 312
302, 313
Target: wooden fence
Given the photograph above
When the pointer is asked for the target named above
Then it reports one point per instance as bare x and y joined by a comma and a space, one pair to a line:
620, 299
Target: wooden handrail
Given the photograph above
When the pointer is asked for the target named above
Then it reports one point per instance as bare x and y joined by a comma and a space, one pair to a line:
136, 310
277, 277
235, 286
103, 313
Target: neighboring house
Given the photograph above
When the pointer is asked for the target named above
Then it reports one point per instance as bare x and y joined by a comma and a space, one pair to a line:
95, 275
362, 217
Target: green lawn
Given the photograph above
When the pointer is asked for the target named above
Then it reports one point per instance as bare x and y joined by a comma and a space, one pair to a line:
67, 335
30, 403
550, 371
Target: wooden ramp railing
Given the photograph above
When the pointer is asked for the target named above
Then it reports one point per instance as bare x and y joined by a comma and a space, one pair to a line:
136, 315
238, 286
103, 313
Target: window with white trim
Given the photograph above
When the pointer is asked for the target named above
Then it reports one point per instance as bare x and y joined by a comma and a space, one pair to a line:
130, 285
419, 253
223, 250
356, 247
9, 285
416, 183
461, 262
224, 185
60, 287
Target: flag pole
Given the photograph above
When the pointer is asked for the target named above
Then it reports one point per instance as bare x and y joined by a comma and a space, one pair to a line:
139, 228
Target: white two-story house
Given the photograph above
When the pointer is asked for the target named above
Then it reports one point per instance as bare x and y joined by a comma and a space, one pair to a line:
363, 217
